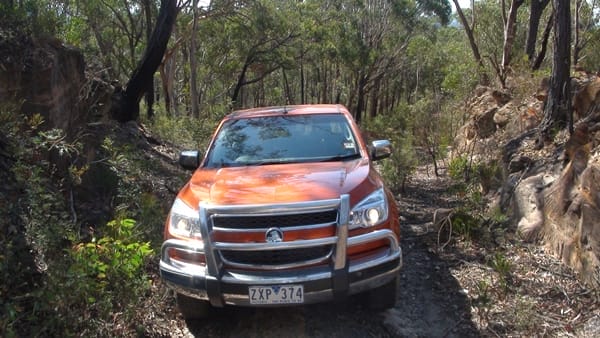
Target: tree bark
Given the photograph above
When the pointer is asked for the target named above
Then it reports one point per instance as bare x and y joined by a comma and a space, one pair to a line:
193, 64
510, 29
360, 102
375, 98
536, 9
577, 42
126, 102
558, 106
150, 88
544, 45
167, 75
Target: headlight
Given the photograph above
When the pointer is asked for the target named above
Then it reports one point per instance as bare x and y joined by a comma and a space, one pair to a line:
183, 220
371, 211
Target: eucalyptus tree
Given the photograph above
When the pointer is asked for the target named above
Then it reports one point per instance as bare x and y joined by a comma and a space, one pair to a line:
586, 25
125, 102
319, 69
494, 40
469, 28
510, 30
536, 10
119, 30
558, 110
193, 62
374, 39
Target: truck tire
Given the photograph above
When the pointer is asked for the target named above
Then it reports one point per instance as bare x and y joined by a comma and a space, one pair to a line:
192, 308
383, 297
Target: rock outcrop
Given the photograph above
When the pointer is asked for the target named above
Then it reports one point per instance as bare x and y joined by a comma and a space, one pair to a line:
45, 77
552, 194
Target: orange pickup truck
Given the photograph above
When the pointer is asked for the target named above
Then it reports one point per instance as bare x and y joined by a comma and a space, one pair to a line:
285, 208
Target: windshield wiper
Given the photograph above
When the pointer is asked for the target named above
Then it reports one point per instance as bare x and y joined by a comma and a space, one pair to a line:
341, 157
301, 160
269, 162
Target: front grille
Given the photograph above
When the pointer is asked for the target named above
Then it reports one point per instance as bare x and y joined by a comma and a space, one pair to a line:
240, 230
277, 257
271, 221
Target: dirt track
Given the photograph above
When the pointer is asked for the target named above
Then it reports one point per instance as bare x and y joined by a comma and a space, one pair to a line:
430, 303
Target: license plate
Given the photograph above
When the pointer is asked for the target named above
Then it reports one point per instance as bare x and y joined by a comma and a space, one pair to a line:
276, 294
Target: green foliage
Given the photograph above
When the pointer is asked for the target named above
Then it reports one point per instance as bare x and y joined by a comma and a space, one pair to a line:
465, 224
501, 264
474, 220
459, 68
429, 129
35, 16
53, 283
132, 198
38, 224
403, 160
483, 293
483, 175
590, 60
184, 131
498, 216
482, 301
109, 269
119, 161
458, 168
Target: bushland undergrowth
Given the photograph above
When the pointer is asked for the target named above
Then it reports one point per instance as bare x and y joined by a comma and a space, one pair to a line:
60, 277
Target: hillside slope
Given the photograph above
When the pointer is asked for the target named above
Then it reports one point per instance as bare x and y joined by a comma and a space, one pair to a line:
550, 192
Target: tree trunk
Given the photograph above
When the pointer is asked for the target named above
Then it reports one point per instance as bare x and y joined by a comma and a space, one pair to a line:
474, 48
167, 75
577, 42
375, 98
126, 103
193, 64
536, 10
286, 86
538, 60
240, 84
360, 100
302, 80
150, 88
558, 105
510, 29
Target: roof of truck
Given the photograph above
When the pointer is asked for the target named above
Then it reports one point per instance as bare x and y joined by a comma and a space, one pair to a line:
290, 110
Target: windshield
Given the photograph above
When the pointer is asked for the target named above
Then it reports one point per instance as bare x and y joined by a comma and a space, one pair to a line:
283, 139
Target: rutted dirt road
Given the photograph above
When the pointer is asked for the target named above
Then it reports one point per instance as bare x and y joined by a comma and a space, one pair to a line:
430, 302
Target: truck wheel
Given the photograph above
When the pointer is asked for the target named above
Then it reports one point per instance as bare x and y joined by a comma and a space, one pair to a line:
192, 308
383, 297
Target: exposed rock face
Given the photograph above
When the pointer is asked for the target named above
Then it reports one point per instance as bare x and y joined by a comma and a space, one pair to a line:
571, 227
529, 206
47, 78
587, 94
553, 194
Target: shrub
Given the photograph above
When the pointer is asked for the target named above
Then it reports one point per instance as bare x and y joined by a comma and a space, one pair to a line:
458, 168
184, 131
53, 283
403, 159
109, 270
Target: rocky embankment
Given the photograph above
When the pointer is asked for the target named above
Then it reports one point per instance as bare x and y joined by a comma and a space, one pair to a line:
551, 192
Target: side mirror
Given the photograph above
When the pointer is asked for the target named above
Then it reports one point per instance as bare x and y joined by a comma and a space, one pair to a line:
380, 149
189, 159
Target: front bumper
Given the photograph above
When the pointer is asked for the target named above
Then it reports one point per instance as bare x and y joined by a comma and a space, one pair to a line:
340, 277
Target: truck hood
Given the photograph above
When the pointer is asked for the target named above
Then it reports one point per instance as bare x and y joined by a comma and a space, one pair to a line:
282, 183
